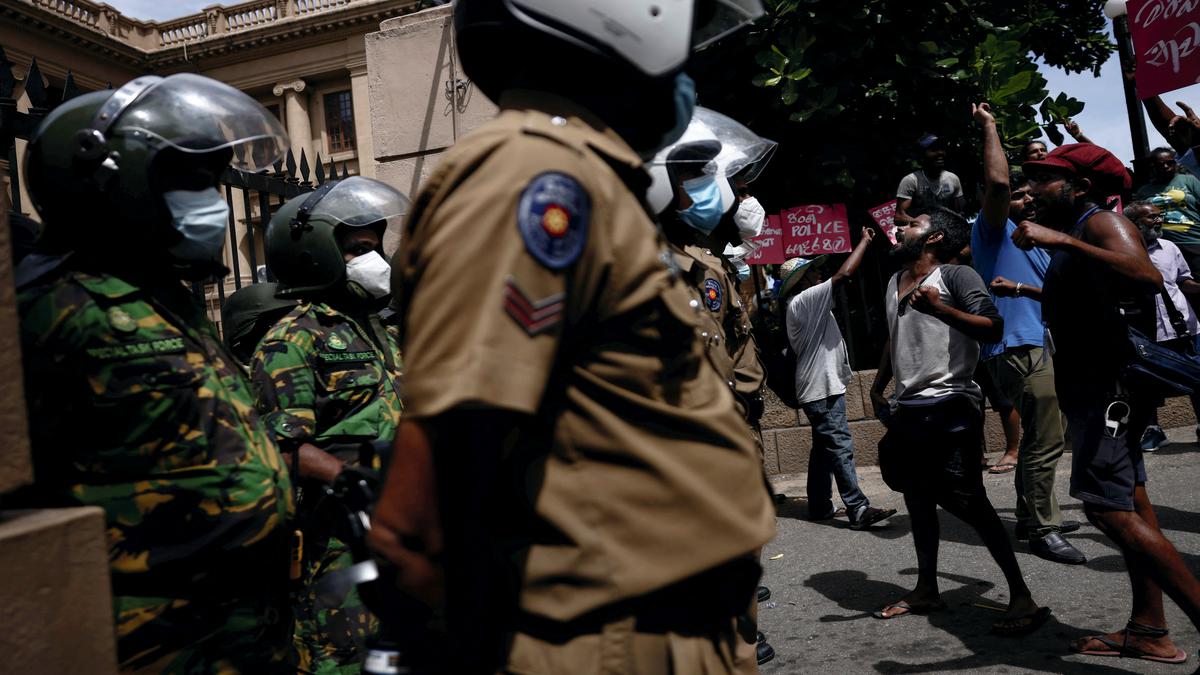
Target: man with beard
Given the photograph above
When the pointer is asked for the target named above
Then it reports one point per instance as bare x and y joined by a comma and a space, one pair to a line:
929, 187
1099, 281
1016, 362
937, 314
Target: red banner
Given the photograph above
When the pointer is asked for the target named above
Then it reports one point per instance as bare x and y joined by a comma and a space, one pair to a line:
815, 229
885, 217
1166, 43
770, 244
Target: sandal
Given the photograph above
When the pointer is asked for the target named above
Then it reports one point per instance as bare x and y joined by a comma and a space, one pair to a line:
1123, 649
1021, 626
906, 609
1002, 468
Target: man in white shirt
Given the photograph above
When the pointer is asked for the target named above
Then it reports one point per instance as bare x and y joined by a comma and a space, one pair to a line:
822, 372
1177, 280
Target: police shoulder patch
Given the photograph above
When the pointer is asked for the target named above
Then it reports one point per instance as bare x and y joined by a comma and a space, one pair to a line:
714, 295
553, 216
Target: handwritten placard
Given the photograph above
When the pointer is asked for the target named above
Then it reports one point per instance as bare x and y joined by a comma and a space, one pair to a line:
885, 217
769, 244
1166, 42
815, 229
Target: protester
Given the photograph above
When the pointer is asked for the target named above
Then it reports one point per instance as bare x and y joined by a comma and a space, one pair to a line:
1177, 280
1017, 362
822, 374
570, 460
930, 186
1099, 281
937, 314
1177, 195
1033, 150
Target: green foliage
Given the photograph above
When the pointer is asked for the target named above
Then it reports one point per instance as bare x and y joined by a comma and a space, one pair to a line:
848, 87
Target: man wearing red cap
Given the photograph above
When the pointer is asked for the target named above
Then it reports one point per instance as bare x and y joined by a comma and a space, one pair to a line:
1100, 279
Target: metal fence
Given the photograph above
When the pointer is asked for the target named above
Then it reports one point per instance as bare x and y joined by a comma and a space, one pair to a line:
252, 197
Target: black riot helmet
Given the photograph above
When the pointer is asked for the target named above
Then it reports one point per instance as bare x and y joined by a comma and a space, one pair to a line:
99, 165
303, 250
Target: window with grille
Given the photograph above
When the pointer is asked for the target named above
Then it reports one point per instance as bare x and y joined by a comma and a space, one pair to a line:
339, 121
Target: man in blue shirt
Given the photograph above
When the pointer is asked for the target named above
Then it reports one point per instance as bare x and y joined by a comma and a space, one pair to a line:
1021, 369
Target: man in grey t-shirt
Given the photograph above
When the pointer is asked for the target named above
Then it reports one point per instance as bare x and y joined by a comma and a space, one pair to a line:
822, 372
937, 315
931, 186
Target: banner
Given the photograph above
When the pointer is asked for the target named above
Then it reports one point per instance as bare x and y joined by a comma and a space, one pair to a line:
815, 229
769, 243
1166, 44
885, 217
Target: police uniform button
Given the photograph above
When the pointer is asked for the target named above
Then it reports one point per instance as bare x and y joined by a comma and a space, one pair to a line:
694, 304
286, 426
731, 385
558, 121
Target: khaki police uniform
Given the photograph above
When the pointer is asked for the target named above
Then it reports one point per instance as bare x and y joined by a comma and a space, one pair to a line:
532, 280
730, 346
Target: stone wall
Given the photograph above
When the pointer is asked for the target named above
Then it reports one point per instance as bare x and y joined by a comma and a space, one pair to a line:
787, 437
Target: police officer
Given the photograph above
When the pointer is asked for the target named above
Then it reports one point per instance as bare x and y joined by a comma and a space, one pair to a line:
572, 462
699, 212
326, 381
247, 315
135, 406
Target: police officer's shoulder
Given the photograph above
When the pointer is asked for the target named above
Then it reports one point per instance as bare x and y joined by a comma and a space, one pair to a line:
286, 327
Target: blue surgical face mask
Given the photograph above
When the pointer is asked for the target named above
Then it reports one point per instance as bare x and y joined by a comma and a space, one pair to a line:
201, 216
705, 212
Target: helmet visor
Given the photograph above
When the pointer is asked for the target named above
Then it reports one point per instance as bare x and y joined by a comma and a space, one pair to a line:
358, 201
717, 18
742, 151
196, 114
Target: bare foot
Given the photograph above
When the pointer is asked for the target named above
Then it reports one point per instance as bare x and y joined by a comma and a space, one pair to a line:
1161, 647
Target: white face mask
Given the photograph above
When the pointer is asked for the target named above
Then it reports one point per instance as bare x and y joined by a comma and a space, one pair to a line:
202, 217
750, 217
372, 272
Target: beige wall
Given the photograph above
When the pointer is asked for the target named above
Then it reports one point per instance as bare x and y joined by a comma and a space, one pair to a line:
410, 63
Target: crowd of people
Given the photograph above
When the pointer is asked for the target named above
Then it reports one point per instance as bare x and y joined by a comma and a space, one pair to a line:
529, 442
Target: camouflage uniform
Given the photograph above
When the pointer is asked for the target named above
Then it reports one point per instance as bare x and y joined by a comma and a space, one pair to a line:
320, 378
136, 407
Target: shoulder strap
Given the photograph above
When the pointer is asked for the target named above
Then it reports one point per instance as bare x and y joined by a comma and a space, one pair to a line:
1173, 313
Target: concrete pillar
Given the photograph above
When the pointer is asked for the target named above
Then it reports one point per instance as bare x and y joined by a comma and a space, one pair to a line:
295, 105
360, 95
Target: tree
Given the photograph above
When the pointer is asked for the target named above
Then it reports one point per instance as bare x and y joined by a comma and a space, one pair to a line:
847, 87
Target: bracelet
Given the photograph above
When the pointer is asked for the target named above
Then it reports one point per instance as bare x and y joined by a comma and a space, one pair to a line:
1017, 293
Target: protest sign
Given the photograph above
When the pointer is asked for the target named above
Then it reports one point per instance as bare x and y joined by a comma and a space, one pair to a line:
815, 229
885, 217
769, 244
1166, 44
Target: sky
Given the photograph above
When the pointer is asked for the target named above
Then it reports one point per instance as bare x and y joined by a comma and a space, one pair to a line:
1103, 118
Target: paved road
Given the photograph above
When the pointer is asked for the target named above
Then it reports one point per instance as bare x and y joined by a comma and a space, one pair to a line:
830, 578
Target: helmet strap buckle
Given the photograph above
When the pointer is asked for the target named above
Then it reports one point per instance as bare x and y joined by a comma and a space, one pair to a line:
300, 221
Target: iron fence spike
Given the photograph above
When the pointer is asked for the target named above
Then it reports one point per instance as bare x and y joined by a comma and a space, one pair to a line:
35, 86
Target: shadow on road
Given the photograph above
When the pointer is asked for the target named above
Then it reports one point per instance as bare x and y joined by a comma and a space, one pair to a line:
1042, 651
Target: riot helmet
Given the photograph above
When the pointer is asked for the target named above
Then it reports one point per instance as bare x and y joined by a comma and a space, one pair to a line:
146, 158
304, 238
248, 314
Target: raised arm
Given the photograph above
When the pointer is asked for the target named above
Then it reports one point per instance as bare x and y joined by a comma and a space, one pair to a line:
996, 190
849, 267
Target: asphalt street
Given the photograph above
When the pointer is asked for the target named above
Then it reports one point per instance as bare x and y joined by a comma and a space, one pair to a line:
826, 579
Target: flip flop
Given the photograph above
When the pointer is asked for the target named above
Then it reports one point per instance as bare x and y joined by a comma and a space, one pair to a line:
907, 609
1115, 648
1023, 625
1002, 468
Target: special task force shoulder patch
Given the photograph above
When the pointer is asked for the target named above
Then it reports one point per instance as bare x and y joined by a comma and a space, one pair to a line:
713, 295
553, 216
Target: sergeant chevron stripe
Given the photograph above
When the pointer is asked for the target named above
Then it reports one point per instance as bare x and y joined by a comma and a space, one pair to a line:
534, 316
